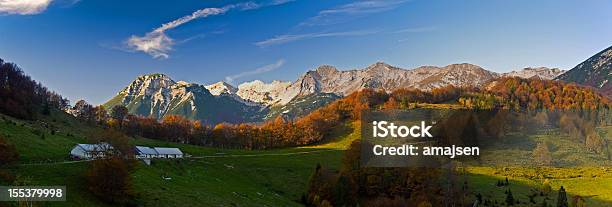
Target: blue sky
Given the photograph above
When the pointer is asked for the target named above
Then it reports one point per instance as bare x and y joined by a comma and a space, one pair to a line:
91, 49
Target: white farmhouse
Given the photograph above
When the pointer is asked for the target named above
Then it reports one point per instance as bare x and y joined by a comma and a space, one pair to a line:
143, 152
90, 151
163, 152
96, 151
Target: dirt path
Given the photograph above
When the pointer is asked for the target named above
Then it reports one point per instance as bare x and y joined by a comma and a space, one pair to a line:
53, 163
263, 154
196, 157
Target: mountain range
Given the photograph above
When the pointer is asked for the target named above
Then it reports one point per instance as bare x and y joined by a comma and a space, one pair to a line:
157, 95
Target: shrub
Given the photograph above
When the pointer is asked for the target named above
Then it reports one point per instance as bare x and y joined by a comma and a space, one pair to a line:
110, 180
542, 155
8, 152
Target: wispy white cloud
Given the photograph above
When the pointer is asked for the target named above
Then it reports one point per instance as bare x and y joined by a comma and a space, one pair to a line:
23, 7
336, 15
260, 70
65, 3
295, 37
350, 11
155, 44
415, 30
279, 2
158, 44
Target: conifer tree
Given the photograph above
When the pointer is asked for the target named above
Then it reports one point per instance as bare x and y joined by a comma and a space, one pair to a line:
562, 199
509, 198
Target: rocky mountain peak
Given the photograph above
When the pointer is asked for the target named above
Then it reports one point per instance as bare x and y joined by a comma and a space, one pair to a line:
463, 66
460, 75
153, 76
221, 87
309, 83
326, 70
183, 83
379, 66
148, 84
535, 72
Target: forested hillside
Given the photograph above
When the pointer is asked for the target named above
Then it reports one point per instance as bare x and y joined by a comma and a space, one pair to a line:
23, 97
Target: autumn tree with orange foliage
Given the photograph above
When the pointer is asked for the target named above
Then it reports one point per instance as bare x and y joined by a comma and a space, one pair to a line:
177, 128
531, 94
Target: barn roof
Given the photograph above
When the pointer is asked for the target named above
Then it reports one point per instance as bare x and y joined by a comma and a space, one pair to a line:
146, 150
95, 147
168, 151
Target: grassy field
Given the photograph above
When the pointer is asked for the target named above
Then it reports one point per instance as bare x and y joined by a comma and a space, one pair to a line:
212, 177
245, 181
35, 140
593, 184
221, 177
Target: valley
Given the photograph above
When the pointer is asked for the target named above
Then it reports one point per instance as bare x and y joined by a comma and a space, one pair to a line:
266, 103
316, 129
226, 177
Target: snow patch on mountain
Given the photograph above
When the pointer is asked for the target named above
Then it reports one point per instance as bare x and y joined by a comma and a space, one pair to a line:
264, 93
147, 85
221, 87
537, 72
327, 79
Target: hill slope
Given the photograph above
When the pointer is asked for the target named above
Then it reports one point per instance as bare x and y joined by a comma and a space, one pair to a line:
212, 177
595, 71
